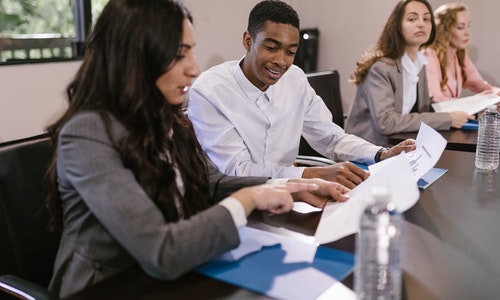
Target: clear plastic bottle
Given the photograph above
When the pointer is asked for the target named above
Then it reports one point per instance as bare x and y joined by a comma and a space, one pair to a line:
377, 273
488, 140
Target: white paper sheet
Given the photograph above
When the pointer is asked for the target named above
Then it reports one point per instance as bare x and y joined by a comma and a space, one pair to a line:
338, 291
304, 208
430, 145
284, 288
470, 105
253, 240
341, 219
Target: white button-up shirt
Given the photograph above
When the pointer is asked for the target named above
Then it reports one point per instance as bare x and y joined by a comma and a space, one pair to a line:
248, 132
411, 69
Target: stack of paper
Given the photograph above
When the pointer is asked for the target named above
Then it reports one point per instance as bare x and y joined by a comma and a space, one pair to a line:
399, 174
471, 105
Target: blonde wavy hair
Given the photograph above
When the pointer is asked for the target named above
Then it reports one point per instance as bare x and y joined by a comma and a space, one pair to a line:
446, 21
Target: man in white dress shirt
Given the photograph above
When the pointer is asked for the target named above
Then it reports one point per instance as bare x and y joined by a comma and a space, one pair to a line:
249, 114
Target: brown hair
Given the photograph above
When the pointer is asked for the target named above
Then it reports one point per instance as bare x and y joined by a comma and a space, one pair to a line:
140, 39
391, 43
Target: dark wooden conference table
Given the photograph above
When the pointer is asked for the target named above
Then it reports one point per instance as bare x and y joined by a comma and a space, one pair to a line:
451, 245
458, 139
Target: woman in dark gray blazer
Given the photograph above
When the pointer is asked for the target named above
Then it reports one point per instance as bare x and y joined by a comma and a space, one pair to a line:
392, 94
128, 182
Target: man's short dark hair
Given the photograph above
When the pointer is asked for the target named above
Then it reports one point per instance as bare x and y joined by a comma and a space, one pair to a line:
271, 10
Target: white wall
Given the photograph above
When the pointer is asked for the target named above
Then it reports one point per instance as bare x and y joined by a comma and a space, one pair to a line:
350, 27
33, 95
347, 29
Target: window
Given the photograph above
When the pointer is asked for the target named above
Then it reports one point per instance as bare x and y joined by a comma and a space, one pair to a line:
45, 30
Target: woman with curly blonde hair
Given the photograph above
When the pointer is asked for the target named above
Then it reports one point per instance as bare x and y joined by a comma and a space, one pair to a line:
450, 69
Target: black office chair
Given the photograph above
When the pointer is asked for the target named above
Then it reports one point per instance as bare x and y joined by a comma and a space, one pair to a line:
27, 248
327, 86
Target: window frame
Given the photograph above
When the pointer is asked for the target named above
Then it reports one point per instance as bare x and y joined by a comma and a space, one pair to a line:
82, 20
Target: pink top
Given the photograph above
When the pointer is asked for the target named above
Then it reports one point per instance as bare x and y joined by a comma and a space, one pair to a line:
453, 88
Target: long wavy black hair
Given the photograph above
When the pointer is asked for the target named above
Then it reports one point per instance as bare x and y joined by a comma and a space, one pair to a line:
133, 43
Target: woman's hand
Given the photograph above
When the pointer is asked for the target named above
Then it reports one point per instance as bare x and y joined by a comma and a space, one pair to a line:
459, 118
275, 198
327, 191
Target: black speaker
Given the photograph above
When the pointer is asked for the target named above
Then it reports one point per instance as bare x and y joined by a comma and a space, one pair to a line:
307, 55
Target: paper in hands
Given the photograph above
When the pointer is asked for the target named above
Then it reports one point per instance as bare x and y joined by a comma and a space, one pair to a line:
399, 174
340, 219
430, 145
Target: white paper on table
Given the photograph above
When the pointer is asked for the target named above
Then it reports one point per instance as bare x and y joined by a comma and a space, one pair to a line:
471, 105
430, 145
304, 208
340, 219
283, 286
252, 240
338, 291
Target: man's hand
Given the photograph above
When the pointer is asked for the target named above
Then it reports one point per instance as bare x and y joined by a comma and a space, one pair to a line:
345, 173
406, 146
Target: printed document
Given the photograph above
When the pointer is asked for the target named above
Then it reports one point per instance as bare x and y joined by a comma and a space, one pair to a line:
430, 145
399, 174
470, 105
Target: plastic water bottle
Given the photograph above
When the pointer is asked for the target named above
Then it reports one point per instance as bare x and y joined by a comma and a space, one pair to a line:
377, 273
488, 140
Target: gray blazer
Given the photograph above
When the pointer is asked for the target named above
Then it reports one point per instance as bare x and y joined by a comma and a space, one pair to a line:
377, 109
111, 224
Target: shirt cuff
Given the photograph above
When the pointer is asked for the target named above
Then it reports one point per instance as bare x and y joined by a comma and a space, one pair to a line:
294, 172
236, 210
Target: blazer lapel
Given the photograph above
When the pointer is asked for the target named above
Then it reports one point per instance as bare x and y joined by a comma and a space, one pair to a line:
398, 79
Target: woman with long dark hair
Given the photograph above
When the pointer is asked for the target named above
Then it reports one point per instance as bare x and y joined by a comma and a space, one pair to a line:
129, 183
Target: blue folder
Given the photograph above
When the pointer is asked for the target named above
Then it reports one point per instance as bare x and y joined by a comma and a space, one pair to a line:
425, 181
470, 125
257, 271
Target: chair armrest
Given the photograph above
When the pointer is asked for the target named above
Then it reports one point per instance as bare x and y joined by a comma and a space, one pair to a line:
312, 161
23, 289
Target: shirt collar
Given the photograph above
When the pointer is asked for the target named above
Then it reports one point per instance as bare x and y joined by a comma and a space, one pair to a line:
420, 60
250, 90
414, 67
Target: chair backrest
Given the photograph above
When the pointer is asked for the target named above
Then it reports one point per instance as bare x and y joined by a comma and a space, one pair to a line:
327, 86
27, 248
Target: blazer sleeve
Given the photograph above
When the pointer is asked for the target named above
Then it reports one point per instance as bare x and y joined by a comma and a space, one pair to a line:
222, 185
109, 191
381, 85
